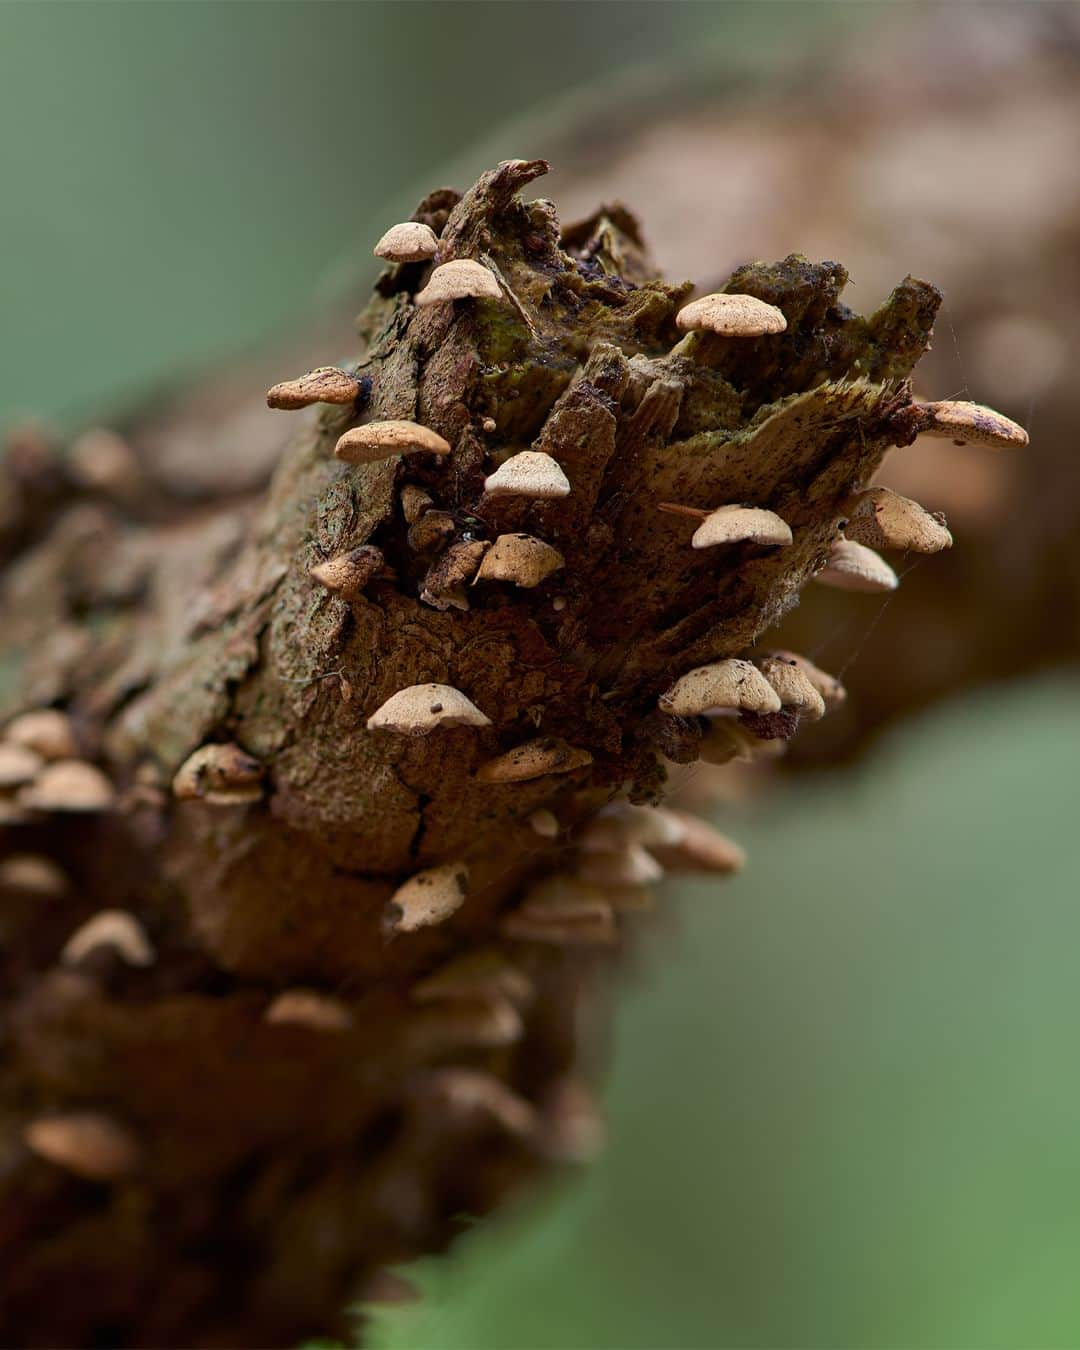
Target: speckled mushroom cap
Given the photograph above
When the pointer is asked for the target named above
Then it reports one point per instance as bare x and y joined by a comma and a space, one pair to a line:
520, 558
724, 684
534, 759
793, 687
741, 524
881, 518
528, 474
731, 316
422, 708
828, 686
327, 384
973, 423
379, 440
428, 897
854, 567
410, 241
461, 279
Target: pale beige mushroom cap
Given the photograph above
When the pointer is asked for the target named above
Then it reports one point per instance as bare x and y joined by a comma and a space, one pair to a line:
724, 684
854, 567
348, 573
34, 874
534, 759
86, 1143
629, 866
220, 773
328, 384
423, 708
794, 688
828, 686
972, 422
731, 316
379, 440
68, 785
528, 474
46, 730
881, 518
114, 928
562, 911
428, 897
544, 822
310, 1009
472, 1091
453, 1026
520, 558
462, 279
473, 975
701, 849
741, 524
18, 764
411, 241
624, 823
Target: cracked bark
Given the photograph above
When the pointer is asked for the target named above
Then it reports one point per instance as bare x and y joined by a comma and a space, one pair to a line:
281, 1166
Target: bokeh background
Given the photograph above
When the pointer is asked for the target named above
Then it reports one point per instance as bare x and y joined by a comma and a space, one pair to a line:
844, 1102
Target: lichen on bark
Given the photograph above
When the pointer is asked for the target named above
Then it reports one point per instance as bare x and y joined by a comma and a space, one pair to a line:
161, 625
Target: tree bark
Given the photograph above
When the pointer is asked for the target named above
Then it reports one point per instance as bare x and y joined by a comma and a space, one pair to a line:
263, 1165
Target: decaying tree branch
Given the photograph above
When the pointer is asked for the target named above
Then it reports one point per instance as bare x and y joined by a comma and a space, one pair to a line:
322, 816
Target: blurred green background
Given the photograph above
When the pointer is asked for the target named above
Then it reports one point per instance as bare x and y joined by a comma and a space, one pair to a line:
844, 1105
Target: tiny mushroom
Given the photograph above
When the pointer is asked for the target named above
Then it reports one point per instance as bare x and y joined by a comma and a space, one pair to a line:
563, 912
428, 897
520, 558
379, 440
971, 422
880, 518
449, 1027
347, 574
545, 823
411, 241
630, 866
115, 928
741, 524
46, 730
621, 824
530, 473
325, 385
462, 279
421, 708
221, 774
33, 874
533, 759
828, 686
724, 684
86, 1143
731, 316
473, 1092
68, 785
794, 688
854, 567
475, 974
310, 1009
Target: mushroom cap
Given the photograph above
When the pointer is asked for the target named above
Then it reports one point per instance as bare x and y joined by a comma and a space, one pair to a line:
474, 1092
35, 874
544, 822
308, 1008
379, 440
18, 764
447, 577
630, 866
533, 759
739, 524
828, 686
411, 241
46, 730
414, 502
520, 558
624, 823
347, 574
701, 849
881, 518
220, 773
421, 708
794, 687
86, 1143
562, 911
731, 316
724, 684
114, 928
428, 897
972, 422
854, 567
68, 785
461, 279
475, 974
530, 473
327, 384
449, 1027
